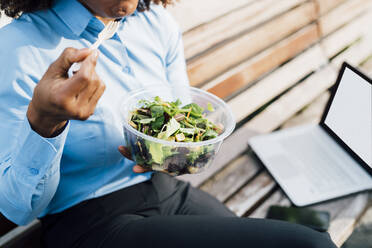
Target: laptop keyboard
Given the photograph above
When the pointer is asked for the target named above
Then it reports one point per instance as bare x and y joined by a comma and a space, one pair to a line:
323, 170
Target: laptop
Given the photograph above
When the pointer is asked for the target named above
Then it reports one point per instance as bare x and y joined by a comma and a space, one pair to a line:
316, 163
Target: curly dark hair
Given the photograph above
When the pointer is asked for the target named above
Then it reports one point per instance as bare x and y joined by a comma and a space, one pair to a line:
13, 8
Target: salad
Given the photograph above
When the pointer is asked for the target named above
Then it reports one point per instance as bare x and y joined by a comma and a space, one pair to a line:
173, 122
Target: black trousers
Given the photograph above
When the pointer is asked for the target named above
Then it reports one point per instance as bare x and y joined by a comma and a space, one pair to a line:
166, 212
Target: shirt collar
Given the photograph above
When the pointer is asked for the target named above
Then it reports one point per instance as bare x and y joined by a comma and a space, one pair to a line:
135, 13
73, 14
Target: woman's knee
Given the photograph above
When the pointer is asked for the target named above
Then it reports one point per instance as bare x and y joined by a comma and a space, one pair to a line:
294, 235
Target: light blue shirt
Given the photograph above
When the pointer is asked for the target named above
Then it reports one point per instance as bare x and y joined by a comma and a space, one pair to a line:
40, 176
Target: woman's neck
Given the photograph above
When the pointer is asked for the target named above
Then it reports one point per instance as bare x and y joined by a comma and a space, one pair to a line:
105, 20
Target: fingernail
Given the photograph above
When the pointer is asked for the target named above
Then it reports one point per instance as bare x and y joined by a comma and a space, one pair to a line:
138, 169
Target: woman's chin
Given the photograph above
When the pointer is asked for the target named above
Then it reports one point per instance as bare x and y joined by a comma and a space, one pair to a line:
123, 11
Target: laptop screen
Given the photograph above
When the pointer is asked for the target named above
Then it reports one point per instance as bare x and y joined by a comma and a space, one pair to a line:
350, 114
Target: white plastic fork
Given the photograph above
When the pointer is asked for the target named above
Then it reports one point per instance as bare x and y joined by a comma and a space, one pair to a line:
110, 29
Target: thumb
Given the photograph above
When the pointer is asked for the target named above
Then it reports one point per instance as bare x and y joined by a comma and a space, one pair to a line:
139, 169
69, 56
125, 152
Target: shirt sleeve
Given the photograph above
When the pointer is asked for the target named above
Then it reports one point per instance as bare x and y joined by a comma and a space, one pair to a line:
29, 163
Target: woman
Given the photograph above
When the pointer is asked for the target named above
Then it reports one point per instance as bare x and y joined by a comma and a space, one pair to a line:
59, 136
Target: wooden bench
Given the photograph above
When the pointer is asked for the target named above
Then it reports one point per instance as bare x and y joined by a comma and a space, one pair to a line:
273, 62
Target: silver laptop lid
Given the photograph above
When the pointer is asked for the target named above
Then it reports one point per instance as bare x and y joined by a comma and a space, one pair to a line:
348, 116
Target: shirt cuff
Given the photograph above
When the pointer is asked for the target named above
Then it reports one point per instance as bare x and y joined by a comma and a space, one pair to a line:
35, 155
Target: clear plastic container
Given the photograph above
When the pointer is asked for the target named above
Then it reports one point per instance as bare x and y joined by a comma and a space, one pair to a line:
176, 158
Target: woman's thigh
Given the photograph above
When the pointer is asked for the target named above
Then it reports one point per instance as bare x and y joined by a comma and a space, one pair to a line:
181, 199
204, 231
197, 202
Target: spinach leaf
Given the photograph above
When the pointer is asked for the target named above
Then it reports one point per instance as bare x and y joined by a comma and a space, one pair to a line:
157, 111
158, 123
196, 110
210, 134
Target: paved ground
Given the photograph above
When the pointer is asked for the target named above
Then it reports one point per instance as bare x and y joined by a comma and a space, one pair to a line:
362, 235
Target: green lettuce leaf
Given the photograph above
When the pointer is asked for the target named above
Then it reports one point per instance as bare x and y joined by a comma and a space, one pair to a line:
157, 111
172, 127
159, 152
196, 110
210, 133
156, 152
158, 123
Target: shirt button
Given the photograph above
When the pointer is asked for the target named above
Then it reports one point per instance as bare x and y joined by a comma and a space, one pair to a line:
34, 171
126, 69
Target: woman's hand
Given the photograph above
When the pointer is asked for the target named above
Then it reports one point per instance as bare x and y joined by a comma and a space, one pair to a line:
126, 153
58, 98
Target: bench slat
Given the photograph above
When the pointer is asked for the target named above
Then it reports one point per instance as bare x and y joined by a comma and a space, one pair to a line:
283, 108
343, 37
367, 66
244, 74
343, 14
344, 214
192, 13
356, 53
204, 37
252, 194
23, 236
311, 114
222, 58
232, 177
5, 225
278, 81
343, 225
327, 5
278, 199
